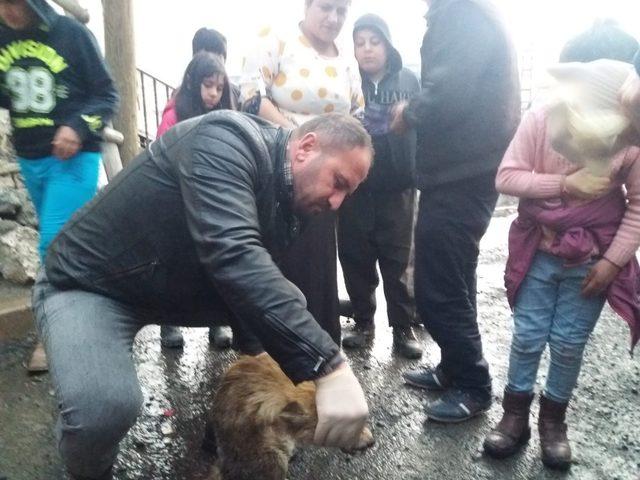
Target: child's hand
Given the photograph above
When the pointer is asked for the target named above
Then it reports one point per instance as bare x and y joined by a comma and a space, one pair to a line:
398, 125
599, 278
66, 143
585, 185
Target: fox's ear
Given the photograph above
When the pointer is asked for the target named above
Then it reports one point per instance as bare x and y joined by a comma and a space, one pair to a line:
293, 408
294, 415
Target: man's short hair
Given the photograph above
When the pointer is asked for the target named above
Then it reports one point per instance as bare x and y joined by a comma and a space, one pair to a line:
336, 131
211, 41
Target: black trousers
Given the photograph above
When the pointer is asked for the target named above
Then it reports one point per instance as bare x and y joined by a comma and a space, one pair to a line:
452, 218
377, 227
311, 264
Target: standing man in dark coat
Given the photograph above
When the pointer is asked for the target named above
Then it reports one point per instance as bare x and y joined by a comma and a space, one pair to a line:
465, 116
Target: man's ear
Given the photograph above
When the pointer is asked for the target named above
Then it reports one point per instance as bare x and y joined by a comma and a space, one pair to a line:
303, 146
308, 142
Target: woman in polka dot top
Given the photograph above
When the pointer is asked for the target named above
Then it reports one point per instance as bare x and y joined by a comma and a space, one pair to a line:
289, 78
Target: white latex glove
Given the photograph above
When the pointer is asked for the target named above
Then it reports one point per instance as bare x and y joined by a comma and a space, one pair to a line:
342, 409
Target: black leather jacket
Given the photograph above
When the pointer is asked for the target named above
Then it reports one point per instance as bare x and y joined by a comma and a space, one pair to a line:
194, 223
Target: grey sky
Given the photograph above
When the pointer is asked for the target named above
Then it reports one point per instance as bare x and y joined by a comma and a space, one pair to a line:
164, 29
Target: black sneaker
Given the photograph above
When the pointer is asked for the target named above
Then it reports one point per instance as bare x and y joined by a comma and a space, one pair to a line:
361, 335
427, 378
456, 406
170, 337
220, 336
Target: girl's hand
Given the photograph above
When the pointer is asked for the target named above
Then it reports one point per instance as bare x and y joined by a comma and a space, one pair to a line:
599, 278
66, 143
585, 185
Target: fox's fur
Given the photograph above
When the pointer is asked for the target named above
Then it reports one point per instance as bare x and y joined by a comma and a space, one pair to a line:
257, 419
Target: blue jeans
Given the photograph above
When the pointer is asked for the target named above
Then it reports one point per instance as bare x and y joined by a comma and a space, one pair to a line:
88, 339
58, 188
550, 309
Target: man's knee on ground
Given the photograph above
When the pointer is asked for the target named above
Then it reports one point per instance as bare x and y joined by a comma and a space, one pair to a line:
89, 419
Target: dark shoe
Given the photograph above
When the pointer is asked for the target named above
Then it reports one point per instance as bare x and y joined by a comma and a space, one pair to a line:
456, 406
170, 337
513, 429
406, 343
221, 337
361, 335
345, 308
554, 444
426, 377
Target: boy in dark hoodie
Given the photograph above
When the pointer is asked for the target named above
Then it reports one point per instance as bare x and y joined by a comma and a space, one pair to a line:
56, 87
376, 222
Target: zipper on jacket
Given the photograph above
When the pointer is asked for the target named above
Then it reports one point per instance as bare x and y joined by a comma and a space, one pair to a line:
309, 349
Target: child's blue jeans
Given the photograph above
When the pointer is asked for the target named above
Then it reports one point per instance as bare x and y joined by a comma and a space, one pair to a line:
58, 188
550, 309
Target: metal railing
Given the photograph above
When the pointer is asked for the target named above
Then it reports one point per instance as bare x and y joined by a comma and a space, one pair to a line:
153, 95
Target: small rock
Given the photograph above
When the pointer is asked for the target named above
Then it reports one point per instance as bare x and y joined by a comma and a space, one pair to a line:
166, 429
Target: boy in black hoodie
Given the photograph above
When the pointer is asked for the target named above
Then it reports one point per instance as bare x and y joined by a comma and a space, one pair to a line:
375, 223
56, 87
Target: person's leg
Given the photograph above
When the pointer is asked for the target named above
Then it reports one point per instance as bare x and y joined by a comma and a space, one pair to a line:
574, 320
393, 232
452, 221
310, 263
34, 174
70, 184
357, 253
533, 314
89, 339
393, 235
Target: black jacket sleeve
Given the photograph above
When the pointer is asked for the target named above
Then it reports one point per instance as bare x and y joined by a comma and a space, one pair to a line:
218, 180
101, 99
460, 47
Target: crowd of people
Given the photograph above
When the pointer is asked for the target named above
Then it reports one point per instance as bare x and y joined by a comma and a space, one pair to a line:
251, 192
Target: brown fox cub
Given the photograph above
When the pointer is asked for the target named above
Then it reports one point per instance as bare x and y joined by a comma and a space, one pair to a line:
257, 419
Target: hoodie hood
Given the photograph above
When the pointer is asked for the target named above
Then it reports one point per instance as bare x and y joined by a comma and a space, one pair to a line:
374, 22
45, 13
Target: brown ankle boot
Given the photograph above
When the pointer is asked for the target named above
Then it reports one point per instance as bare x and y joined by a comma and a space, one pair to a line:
554, 444
513, 429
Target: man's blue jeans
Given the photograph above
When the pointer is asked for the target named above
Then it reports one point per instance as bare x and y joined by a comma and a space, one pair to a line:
550, 309
58, 188
89, 342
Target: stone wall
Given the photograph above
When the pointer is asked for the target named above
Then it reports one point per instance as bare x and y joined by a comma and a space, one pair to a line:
18, 223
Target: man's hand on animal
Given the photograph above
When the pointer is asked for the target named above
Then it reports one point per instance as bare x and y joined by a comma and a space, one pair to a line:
342, 409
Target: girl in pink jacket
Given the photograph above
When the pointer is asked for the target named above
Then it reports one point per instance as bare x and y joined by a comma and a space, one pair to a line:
571, 247
205, 88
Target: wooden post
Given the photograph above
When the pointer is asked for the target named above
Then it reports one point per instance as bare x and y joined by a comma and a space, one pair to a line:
120, 56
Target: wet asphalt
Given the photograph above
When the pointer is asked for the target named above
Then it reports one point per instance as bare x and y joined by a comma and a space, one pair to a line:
604, 417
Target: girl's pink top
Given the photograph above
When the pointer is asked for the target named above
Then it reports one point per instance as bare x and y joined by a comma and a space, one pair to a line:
169, 117
532, 169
